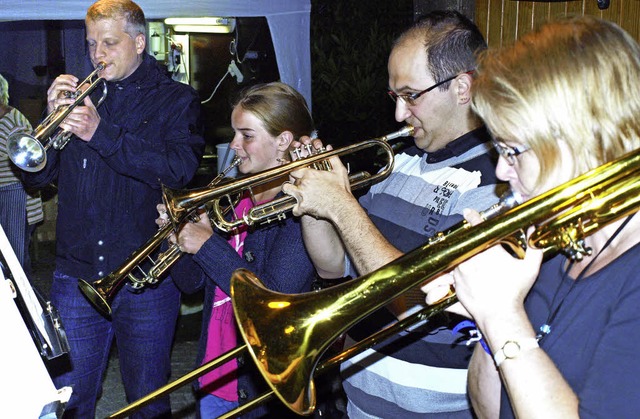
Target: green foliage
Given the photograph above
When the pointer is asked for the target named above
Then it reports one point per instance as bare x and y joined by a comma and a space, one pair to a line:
350, 44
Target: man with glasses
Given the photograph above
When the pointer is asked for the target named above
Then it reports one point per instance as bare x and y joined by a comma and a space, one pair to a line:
421, 372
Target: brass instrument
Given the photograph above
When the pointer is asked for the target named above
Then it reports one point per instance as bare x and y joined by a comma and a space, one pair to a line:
29, 151
180, 202
101, 292
507, 201
287, 334
182, 205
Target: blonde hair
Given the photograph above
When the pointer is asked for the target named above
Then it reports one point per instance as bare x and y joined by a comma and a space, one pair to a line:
119, 9
4, 91
280, 108
576, 80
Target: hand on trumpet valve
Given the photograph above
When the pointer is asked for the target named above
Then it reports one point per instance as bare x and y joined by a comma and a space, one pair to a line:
306, 146
319, 192
192, 235
83, 120
58, 92
163, 217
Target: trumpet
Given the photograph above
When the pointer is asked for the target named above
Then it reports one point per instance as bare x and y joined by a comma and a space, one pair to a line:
101, 292
182, 205
180, 202
286, 335
29, 151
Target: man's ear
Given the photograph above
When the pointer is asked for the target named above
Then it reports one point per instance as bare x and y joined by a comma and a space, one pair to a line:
463, 88
284, 140
141, 42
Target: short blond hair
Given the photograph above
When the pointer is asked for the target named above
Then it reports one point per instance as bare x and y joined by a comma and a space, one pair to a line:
119, 9
575, 79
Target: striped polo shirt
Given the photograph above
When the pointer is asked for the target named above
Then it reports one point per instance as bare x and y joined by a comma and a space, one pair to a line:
421, 372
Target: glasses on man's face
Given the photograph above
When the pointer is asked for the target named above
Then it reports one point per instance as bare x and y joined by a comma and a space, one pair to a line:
509, 153
411, 98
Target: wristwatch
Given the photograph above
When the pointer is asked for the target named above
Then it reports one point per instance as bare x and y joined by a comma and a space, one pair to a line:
512, 348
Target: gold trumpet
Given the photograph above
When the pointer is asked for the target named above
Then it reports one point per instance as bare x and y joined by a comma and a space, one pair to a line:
101, 292
183, 205
29, 151
286, 335
180, 202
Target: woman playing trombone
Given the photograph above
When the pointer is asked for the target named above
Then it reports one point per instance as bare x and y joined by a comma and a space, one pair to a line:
266, 119
561, 337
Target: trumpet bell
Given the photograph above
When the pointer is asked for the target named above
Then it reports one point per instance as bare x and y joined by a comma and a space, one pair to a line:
96, 296
26, 152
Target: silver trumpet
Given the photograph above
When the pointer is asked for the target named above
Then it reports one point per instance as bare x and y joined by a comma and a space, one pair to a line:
183, 205
29, 151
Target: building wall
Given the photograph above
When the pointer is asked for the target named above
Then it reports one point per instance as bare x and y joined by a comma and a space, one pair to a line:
503, 21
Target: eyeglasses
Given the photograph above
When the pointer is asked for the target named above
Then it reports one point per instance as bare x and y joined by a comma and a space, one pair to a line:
411, 98
510, 154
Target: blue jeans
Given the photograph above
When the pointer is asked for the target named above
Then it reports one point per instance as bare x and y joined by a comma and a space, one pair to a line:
143, 325
211, 406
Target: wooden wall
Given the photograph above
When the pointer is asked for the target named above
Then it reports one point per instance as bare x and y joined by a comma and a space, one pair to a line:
503, 21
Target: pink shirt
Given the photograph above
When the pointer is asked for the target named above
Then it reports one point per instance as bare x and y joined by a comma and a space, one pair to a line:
221, 333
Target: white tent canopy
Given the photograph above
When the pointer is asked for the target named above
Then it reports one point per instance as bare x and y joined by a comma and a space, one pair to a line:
288, 22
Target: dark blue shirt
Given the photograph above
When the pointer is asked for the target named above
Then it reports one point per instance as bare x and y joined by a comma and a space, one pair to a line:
108, 188
594, 334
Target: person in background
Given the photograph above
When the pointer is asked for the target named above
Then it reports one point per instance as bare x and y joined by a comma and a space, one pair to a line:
20, 210
451, 167
266, 119
146, 133
563, 336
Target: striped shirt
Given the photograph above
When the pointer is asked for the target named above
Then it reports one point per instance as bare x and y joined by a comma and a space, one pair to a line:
421, 372
12, 122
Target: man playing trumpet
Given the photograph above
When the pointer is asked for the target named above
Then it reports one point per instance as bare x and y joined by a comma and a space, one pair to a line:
146, 133
431, 69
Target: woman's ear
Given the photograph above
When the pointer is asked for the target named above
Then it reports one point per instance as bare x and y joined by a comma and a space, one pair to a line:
284, 140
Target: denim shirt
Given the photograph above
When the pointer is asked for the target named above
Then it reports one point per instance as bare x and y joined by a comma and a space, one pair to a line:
150, 134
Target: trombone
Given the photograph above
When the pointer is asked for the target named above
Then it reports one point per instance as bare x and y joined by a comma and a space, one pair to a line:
29, 151
286, 335
183, 204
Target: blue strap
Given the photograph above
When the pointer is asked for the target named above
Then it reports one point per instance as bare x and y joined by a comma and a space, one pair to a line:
475, 334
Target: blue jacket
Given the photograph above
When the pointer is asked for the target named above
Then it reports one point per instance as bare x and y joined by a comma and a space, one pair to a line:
276, 254
108, 188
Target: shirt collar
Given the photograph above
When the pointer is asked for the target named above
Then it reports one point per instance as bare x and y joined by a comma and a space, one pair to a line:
456, 147
139, 74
